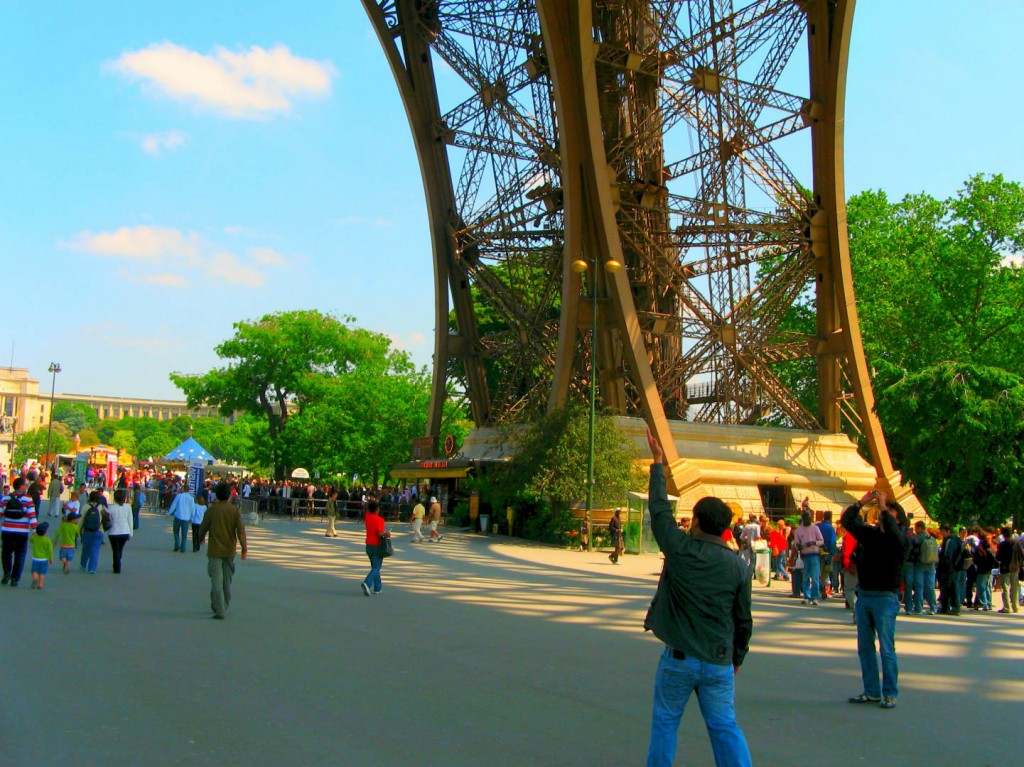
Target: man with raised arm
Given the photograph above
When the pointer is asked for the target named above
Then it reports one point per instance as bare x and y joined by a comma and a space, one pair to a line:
701, 612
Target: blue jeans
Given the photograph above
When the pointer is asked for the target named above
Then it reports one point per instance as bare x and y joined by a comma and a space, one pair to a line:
779, 566
876, 613
984, 587
372, 579
91, 542
960, 589
923, 588
715, 687
812, 574
180, 528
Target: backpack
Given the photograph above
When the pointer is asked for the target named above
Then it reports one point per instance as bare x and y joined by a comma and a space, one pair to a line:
965, 559
14, 509
91, 520
929, 551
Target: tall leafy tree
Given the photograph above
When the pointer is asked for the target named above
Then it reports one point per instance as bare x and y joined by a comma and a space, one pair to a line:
281, 365
938, 281
957, 431
76, 415
31, 445
553, 452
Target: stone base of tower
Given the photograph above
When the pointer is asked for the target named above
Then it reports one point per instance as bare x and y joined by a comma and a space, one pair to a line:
753, 469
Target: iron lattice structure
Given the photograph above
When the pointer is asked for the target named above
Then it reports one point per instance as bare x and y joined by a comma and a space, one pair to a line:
667, 135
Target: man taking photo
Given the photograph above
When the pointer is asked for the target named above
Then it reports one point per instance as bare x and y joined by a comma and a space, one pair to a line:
701, 612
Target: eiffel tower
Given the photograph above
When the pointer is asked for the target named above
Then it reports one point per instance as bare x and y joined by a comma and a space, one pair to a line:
639, 191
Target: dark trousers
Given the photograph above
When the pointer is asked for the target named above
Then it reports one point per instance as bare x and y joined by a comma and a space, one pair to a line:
12, 552
195, 538
117, 543
970, 598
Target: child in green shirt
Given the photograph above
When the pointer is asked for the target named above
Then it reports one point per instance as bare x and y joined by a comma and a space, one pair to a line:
67, 538
42, 554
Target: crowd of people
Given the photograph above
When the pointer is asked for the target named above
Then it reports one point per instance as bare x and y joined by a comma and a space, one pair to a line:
963, 566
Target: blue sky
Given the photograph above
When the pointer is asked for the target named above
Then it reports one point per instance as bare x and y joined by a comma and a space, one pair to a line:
171, 168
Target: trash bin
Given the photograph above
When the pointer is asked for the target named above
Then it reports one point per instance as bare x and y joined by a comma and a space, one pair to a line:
763, 564
485, 523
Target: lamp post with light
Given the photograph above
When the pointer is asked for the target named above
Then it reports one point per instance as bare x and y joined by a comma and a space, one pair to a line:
580, 266
54, 369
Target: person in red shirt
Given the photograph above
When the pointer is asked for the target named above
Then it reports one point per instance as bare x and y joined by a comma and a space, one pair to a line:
374, 532
777, 543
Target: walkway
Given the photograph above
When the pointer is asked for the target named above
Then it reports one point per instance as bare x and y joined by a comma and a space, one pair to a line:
480, 652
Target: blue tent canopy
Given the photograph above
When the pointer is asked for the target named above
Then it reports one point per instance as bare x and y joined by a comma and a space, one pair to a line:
188, 450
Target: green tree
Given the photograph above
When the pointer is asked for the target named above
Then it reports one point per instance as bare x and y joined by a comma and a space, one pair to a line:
88, 438
553, 451
75, 415
31, 445
155, 446
364, 422
935, 280
957, 432
123, 439
280, 365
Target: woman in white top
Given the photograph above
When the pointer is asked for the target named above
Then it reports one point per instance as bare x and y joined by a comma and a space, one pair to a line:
120, 531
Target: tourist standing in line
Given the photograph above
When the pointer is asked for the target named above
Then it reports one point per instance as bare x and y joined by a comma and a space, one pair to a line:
881, 550
808, 541
182, 508
1009, 555
984, 563
19, 521
701, 611
223, 528
615, 533
374, 532
120, 531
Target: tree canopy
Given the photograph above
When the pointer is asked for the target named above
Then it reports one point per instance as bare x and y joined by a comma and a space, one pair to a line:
941, 280
331, 396
554, 449
75, 415
957, 431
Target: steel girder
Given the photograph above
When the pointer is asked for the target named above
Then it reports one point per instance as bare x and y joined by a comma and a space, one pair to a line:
651, 132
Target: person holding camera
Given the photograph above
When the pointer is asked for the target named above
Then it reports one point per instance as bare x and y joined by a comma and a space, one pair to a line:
701, 612
882, 549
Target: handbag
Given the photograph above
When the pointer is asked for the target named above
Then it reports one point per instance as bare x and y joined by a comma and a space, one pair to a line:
385, 548
106, 521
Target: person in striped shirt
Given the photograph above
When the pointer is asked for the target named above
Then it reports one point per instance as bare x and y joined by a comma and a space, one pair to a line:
19, 521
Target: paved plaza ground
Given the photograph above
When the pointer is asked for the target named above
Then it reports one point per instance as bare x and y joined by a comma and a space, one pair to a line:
480, 651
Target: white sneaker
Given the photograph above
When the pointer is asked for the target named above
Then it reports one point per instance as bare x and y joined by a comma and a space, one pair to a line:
366, 589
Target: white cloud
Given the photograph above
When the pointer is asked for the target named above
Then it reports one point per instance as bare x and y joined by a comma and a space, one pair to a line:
1014, 260
160, 279
379, 222
253, 84
150, 243
155, 143
267, 257
179, 256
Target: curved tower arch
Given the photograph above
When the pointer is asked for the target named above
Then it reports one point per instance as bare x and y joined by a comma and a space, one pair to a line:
660, 134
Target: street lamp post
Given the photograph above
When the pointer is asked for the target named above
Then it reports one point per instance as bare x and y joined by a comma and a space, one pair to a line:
54, 369
580, 266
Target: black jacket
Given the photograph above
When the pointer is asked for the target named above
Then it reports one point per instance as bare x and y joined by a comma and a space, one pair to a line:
702, 606
882, 551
